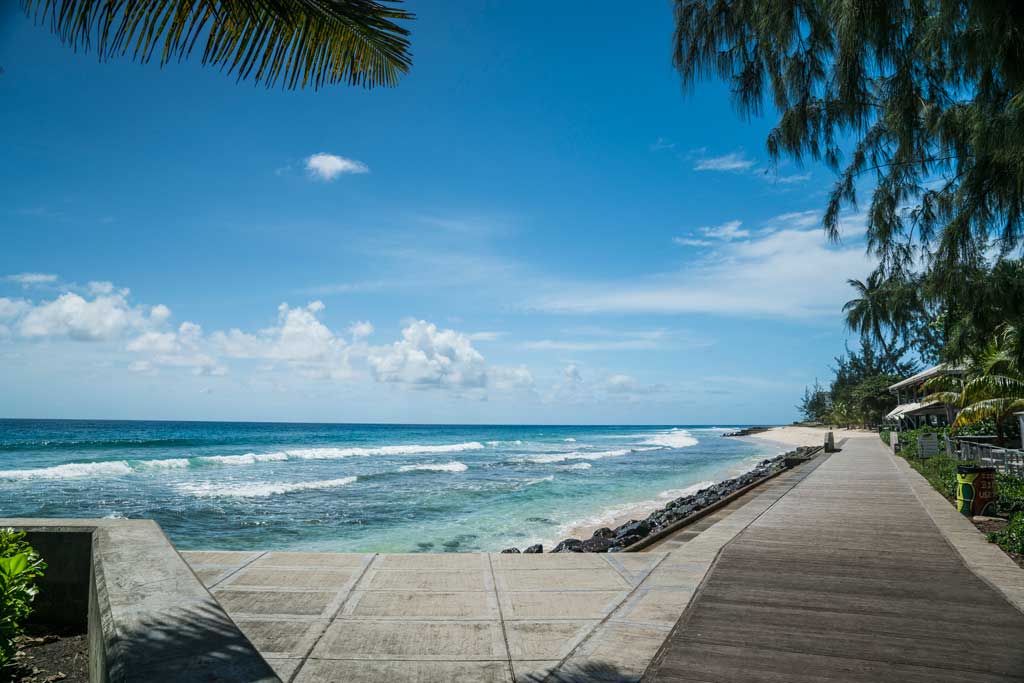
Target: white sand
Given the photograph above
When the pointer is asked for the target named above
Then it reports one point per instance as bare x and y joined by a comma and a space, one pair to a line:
806, 436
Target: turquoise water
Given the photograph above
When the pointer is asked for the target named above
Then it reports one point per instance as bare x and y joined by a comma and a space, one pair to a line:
398, 488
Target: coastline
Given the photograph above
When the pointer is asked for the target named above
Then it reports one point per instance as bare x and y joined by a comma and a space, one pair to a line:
619, 526
785, 438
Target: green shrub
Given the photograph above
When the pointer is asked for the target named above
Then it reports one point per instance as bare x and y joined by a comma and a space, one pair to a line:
1009, 493
1011, 538
884, 434
20, 568
908, 439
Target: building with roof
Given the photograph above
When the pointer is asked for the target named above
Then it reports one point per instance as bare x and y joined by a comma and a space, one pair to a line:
912, 411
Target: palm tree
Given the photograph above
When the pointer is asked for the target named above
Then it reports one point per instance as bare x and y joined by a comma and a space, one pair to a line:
871, 313
296, 43
992, 388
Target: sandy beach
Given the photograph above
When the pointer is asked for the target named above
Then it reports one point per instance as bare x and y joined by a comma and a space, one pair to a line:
803, 436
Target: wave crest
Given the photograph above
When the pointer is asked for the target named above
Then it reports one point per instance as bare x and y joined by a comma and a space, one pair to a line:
453, 466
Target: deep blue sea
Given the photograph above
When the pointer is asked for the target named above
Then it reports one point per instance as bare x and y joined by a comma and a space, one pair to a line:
340, 487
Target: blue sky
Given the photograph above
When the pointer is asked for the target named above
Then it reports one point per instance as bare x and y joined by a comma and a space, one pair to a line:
536, 225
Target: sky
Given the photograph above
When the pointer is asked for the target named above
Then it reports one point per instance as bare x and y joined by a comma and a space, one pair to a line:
537, 225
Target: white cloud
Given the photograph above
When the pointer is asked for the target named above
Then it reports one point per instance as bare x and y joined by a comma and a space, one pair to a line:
100, 287
184, 348
485, 336
12, 308
429, 357
787, 271
360, 330
30, 279
571, 374
71, 315
726, 231
791, 179
623, 384
734, 161
329, 166
662, 143
587, 345
299, 339
510, 378
692, 242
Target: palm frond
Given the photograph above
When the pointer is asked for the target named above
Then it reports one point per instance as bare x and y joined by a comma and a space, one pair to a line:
992, 386
952, 398
296, 43
994, 409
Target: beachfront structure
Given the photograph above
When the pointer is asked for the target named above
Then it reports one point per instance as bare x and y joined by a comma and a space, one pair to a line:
911, 410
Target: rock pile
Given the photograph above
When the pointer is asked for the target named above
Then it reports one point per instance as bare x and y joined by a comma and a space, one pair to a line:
606, 540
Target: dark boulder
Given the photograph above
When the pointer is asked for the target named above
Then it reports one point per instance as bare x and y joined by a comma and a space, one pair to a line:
603, 532
569, 545
514, 551
597, 545
536, 548
633, 528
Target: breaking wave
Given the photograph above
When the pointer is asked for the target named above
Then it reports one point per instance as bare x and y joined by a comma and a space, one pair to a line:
123, 467
454, 466
213, 490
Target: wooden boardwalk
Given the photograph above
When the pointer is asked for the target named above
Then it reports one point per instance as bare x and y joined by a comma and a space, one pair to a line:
845, 578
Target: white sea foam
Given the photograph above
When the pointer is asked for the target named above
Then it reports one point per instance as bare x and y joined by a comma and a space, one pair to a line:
215, 490
247, 459
454, 466
579, 455
168, 464
569, 440
539, 480
70, 471
412, 449
577, 466
618, 514
674, 438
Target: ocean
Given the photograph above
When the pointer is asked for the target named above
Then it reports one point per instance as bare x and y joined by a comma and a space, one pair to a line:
358, 488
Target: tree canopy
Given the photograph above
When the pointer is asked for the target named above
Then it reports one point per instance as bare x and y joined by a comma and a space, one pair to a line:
296, 43
921, 96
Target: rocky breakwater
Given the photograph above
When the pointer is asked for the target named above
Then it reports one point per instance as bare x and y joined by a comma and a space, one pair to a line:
606, 540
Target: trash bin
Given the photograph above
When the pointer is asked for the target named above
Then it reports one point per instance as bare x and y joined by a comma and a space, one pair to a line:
975, 489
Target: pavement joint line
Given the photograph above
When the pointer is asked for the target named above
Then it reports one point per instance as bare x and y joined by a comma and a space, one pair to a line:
334, 615
229, 575
501, 618
606, 619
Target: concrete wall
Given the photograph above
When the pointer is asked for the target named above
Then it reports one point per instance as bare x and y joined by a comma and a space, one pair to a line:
150, 619
64, 590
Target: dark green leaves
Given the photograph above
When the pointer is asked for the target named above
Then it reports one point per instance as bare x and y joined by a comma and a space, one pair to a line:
20, 568
921, 98
296, 43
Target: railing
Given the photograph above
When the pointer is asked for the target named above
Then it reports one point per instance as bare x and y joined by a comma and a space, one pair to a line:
1007, 460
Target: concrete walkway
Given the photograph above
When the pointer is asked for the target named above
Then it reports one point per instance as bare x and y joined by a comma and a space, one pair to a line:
838, 570
850, 577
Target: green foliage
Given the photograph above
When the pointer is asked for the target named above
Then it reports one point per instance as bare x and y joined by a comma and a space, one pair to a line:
815, 404
884, 436
928, 91
1010, 493
20, 568
860, 390
294, 42
991, 390
1011, 538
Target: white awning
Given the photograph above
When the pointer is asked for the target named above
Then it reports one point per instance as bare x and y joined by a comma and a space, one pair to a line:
901, 410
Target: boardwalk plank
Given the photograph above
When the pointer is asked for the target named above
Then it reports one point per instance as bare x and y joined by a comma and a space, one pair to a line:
845, 579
